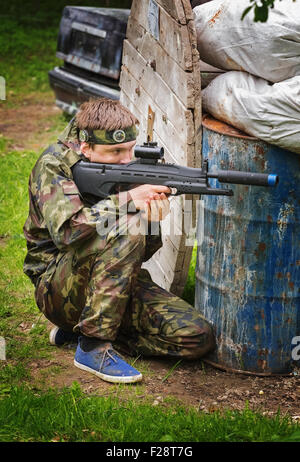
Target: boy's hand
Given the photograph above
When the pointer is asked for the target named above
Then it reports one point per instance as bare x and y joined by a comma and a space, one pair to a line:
151, 200
158, 208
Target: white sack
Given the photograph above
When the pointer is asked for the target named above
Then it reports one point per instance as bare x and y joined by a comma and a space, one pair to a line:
267, 111
269, 50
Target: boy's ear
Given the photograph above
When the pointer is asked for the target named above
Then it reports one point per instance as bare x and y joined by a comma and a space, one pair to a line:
85, 149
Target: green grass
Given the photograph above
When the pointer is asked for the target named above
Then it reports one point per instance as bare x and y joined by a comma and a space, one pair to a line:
69, 415
15, 171
189, 289
32, 49
28, 38
17, 304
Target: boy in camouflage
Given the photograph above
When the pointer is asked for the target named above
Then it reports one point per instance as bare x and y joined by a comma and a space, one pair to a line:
91, 284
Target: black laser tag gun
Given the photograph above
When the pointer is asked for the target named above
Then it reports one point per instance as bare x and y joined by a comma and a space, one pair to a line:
96, 181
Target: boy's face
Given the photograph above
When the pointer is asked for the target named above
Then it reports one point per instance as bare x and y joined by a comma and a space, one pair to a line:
109, 153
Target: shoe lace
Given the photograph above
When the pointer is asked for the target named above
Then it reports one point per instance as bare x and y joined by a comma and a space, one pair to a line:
106, 356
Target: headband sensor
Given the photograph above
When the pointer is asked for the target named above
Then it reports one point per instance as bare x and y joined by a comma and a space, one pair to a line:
109, 137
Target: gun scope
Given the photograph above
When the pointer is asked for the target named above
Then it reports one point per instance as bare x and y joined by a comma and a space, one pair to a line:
149, 151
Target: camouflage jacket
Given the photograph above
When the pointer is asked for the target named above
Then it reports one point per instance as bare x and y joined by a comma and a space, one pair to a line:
58, 217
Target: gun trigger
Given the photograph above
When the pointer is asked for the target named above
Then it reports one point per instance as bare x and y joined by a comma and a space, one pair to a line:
101, 170
173, 191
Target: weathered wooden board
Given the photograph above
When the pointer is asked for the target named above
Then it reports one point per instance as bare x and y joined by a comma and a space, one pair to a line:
161, 71
146, 78
174, 153
174, 8
176, 150
173, 38
173, 255
188, 10
170, 154
181, 83
163, 276
197, 116
178, 153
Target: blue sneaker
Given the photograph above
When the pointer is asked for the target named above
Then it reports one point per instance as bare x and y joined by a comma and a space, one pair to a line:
59, 337
106, 364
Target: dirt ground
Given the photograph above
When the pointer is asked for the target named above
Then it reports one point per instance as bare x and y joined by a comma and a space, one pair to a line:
194, 383
27, 125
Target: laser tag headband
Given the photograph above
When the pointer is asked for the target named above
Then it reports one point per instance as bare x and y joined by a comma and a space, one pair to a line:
109, 137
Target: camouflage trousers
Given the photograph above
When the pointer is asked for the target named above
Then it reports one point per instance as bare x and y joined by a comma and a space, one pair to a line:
100, 290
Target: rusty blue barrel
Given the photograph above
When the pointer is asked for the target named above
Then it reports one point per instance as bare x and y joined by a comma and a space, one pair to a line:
248, 258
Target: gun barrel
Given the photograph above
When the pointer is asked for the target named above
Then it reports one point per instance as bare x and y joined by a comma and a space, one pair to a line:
234, 177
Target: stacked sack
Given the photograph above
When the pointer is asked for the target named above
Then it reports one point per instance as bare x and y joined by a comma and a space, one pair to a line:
261, 93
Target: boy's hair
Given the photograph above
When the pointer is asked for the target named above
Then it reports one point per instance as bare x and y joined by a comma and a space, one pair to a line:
104, 114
